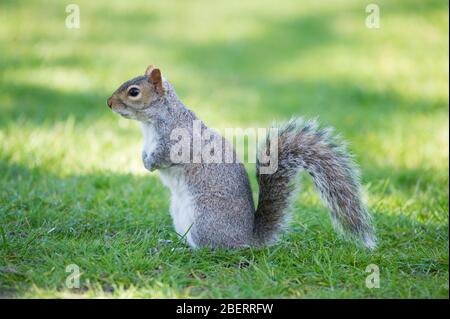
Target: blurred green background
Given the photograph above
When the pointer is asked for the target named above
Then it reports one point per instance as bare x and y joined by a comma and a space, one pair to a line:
73, 189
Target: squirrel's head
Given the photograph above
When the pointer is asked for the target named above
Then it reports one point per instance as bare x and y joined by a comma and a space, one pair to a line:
133, 97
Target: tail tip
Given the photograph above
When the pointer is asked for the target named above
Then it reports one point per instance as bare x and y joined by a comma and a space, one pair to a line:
370, 242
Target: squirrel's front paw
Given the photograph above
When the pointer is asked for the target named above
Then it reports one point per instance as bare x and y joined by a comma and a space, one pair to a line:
149, 161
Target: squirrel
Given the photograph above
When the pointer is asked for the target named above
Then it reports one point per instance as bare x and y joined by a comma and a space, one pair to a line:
211, 203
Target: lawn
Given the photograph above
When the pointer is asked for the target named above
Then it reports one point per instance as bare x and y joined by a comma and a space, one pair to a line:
73, 189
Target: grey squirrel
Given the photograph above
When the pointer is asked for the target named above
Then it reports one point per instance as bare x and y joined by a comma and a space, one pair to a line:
211, 203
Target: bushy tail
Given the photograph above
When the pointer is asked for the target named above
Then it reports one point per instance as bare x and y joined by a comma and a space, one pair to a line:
303, 145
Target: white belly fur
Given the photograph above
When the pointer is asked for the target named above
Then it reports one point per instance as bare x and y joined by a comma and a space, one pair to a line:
150, 138
181, 206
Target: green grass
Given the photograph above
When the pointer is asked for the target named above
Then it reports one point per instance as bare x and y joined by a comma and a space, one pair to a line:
73, 189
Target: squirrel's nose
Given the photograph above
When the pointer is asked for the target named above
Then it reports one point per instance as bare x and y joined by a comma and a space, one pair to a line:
109, 102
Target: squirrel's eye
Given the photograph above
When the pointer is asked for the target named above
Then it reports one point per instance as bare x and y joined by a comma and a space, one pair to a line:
134, 91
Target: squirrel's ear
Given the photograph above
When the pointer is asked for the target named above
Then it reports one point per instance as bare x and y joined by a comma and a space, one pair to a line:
149, 69
154, 77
